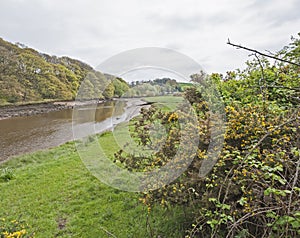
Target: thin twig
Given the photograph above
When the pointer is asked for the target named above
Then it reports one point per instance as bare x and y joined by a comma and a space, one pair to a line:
262, 87
296, 174
253, 213
263, 54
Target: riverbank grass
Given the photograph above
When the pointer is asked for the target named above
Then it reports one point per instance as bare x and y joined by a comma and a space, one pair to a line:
54, 193
167, 103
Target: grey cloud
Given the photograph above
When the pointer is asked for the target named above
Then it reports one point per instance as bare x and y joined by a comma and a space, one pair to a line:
172, 22
150, 57
174, 46
285, 17
192, 23
220, 18
272, 14
34, 25
95, 30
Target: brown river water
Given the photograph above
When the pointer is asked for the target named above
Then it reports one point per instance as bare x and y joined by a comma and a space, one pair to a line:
20, 135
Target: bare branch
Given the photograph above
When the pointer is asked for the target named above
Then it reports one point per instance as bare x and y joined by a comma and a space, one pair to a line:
260, 53
253, 213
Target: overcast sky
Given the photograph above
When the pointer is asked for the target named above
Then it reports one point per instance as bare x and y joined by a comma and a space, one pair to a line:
94, 30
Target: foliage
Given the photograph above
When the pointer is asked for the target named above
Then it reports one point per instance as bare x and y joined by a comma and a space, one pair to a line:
253, 190
27, 76
109, 91
121, 87
156, 87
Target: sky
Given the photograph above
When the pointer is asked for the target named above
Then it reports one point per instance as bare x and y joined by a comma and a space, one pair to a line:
95, 30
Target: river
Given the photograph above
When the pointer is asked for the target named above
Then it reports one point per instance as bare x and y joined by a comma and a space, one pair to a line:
20, 135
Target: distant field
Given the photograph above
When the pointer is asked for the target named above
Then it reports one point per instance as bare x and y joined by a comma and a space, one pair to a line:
185, 85
167, 102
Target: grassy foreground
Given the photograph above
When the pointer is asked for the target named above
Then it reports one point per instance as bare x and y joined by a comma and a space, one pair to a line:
56, 196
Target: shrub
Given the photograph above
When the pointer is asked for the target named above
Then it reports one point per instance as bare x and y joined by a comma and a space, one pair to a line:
253, 190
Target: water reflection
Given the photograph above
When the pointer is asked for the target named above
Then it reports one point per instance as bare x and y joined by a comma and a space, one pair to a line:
26, 134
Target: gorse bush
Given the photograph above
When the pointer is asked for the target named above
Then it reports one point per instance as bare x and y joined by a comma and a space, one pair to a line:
253, 190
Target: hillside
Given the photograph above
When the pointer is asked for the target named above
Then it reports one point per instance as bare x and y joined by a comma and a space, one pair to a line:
27, 75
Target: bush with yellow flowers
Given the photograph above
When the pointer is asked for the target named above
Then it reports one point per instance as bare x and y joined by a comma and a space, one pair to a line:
254, 188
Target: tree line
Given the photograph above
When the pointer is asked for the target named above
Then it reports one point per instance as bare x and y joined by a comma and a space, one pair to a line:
27, 75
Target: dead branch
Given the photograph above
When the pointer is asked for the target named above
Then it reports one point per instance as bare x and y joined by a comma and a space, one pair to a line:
260, 53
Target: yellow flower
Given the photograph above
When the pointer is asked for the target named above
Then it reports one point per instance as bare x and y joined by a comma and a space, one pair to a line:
17, 234
173, 117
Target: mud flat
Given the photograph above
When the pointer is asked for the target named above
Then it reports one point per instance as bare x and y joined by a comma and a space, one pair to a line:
39, 108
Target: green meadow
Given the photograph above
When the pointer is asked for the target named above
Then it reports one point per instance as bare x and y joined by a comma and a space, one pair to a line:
56, 196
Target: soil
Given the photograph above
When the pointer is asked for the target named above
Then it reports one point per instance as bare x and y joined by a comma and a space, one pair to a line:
39, 108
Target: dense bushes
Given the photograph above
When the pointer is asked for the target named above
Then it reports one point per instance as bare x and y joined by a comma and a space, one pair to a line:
254, 188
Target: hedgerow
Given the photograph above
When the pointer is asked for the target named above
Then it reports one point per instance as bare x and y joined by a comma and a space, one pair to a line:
253, 190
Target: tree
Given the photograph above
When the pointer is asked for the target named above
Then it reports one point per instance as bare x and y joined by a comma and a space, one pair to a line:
109, 91
121, 87
28, 75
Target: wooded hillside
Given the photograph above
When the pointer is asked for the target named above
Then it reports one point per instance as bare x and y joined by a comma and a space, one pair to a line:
27, 75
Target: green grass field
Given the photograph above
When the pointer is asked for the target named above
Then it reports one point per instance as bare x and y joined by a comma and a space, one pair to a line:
54, 193
168, 103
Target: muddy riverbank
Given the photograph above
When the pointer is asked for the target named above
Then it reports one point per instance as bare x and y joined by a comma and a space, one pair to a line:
39, 108
55, 123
